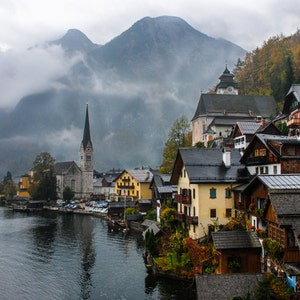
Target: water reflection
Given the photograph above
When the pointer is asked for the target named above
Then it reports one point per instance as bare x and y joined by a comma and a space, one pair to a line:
75, 257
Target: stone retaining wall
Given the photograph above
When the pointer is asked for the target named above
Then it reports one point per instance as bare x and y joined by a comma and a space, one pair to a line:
225, 286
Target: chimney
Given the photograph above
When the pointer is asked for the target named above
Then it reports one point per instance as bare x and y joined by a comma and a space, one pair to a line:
226, 158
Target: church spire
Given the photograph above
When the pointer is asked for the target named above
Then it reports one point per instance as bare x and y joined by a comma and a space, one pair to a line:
86, 133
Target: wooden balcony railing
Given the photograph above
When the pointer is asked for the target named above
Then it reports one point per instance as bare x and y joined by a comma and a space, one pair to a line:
184, 199
293, 122
192, 220
180, 216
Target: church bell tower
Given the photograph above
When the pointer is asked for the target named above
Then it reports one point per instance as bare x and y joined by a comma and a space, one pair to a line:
86, 158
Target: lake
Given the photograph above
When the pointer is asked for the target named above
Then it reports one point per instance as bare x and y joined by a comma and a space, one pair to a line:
69, 256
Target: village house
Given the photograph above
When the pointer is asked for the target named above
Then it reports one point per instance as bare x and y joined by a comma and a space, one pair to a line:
162, 189
243, 132
291, 109
205, 178
238, 251
271, 204
23, 186
217, 113
272, 154
134, 184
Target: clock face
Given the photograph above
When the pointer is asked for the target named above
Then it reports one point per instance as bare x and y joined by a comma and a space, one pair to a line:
230, 89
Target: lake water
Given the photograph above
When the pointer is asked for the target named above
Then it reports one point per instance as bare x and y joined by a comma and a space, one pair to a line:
59, 256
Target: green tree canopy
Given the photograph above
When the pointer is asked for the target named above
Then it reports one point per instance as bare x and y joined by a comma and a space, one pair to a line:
68, 194
179, 136
44, 187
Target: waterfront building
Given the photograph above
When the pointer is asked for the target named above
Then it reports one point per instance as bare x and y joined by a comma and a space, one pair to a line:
134, 184
79, 179
205, 178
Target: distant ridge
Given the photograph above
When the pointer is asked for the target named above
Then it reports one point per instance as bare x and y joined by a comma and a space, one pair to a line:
137, 85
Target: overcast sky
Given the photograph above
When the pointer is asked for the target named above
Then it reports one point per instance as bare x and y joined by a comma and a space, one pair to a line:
24, 23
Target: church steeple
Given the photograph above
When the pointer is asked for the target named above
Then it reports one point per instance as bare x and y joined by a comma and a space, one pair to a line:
86, 141
86, 148
227, 84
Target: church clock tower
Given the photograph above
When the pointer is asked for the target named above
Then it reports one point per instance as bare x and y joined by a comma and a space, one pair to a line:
86, 158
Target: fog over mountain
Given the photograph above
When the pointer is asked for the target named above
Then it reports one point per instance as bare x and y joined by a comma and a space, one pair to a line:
136, 86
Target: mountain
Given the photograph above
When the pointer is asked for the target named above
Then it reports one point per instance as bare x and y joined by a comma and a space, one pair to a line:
74, 40
136, 85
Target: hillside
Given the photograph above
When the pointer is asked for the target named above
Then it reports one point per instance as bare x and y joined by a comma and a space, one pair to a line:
136, 85
271, 69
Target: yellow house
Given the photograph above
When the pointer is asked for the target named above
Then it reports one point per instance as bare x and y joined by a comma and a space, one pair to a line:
24, 184
134, 184
205, 178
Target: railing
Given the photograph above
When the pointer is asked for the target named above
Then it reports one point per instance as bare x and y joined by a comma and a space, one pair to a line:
293, 122
180, 216
192, 220
122, 186
184, 199
256, 160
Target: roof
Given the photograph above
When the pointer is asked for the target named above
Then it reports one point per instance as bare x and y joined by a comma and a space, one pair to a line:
235, 240
252, 106
292, 95
249, 127
281, 182
86, 133
152, 227
287, 209
63, 167
226, 79
141, 175
206, 165
271, 142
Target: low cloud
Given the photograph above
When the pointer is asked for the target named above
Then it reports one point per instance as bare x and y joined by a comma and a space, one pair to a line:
30, 71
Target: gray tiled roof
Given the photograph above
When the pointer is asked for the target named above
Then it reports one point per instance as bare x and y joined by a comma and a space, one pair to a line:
141, 175
206, 165
235, 240
61, 167
287, 209
248, 127
264, 106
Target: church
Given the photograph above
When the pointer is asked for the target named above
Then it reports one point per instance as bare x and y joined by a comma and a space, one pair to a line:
78, 178
218, 112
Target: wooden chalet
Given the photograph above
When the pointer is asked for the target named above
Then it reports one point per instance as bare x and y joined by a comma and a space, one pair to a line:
239, 252
272, 154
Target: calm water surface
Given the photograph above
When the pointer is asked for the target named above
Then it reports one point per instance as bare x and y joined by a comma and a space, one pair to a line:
55, 256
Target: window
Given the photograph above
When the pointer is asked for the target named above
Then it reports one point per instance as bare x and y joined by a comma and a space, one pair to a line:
213, 193
194, 193
73, 185
228, 212
266, 170
227, 193
275, 170
213, 213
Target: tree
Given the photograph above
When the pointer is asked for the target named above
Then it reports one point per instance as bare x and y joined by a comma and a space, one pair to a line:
68, 194
9, 187
44, 186
179, 136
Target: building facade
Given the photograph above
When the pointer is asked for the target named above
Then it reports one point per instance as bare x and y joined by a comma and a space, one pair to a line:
69, 174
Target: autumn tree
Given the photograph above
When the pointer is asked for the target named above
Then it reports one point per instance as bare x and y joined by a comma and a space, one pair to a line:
179, 136
44, 186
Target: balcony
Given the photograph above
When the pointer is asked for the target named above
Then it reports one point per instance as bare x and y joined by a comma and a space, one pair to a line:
256, 160
184, 199
293, 122
192, 220
122, 186
180, 216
